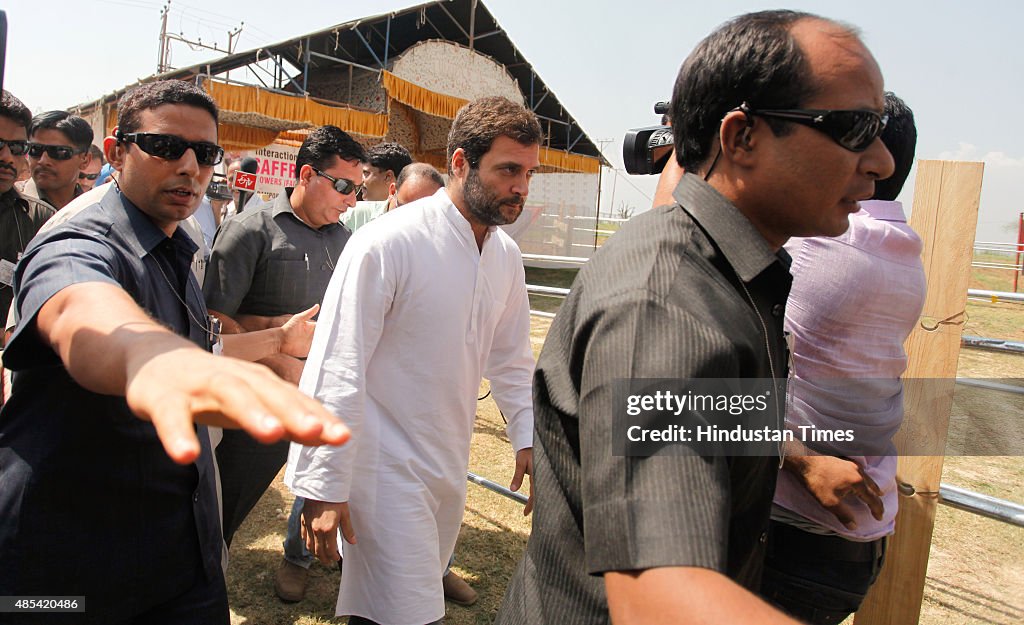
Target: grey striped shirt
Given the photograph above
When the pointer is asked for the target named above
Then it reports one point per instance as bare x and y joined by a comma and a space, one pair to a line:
661, 299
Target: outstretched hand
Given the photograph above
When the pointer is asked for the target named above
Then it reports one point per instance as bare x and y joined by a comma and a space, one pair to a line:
110, 345
178, 387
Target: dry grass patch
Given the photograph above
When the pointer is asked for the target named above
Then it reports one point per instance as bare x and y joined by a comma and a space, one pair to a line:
975, 576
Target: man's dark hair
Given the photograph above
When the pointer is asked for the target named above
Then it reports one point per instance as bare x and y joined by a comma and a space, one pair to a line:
752, 58
389, 156
419, 170
97, 154
480, 122
13, 109
900, 136
77, 130
153, 94
323, 144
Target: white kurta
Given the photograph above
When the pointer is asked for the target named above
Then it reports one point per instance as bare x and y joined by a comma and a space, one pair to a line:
413, 317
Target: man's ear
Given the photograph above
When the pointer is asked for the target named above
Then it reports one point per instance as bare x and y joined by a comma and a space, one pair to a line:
392, 189
459, 161
306, 173
738, 136
114, 150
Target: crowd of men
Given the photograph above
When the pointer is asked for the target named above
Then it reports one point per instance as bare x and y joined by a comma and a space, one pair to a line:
160, 383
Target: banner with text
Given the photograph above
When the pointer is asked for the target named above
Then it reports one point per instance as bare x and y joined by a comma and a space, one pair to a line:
276, 168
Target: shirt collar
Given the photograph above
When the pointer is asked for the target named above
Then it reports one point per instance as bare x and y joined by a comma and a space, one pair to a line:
884, 210
458, 220
13, 199
283, 205
124, 214
39, 193
742, 245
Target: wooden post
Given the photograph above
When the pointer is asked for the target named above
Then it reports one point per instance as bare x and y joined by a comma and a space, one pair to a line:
945, 215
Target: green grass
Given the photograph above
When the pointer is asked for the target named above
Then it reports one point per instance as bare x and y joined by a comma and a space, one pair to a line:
561, 278
606, 225
993, 279
999, 319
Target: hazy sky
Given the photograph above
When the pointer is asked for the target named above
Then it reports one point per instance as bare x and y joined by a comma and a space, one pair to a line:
959, 65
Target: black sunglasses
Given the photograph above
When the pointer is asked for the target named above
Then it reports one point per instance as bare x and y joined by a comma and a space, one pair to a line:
854, 130
343, 186
84, 176
17, 147
56, 152
171, 148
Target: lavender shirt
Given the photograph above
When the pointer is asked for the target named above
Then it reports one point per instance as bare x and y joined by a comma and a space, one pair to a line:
854, 301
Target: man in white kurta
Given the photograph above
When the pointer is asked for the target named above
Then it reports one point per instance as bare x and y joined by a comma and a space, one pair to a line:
424, 302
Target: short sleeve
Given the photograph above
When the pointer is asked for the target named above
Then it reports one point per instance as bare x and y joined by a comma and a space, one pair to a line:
232, 265
70, 257
646, 512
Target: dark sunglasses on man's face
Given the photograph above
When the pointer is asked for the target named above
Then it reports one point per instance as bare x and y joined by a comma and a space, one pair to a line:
343, 186
171, 148
854, 130
56, 152
16, 147
84, 176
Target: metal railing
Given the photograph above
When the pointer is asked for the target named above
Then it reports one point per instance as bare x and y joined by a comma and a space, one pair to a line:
983, 505
953, 496
995, 345
992, 386
574, 260
995, 296
498, 488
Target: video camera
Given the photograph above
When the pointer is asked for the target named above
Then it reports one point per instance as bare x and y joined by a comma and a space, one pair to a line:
218, 188
646, 150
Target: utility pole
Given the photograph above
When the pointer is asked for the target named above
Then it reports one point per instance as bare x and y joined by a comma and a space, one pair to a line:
231, 37
231, 43
164, 62
600, 169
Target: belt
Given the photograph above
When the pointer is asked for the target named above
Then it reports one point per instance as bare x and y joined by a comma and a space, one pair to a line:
788, 538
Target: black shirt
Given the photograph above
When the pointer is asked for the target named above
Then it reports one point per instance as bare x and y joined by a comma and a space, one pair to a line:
20, 220
91, 503
269, 262
661, 299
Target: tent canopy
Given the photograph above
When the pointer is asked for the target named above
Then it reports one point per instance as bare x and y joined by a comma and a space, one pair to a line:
286, 100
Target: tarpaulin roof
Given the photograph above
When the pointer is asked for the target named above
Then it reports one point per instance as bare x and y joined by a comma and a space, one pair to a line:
369, 43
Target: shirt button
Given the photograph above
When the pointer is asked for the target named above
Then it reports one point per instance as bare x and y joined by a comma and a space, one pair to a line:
764, 537
195, 497
778, 310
